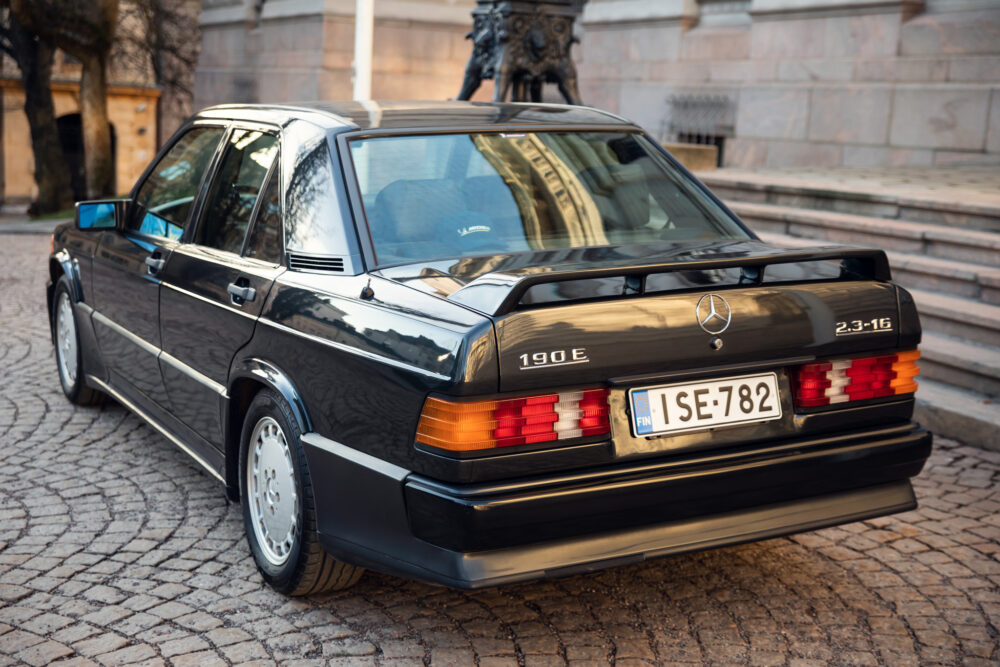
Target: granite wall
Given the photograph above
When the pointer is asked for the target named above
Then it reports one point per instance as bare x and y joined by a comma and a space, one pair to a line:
301, 50
812, 82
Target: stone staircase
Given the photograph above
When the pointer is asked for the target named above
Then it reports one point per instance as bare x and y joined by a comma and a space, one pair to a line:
944, 247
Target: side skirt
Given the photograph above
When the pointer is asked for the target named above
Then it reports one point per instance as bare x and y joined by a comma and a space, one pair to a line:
215, 471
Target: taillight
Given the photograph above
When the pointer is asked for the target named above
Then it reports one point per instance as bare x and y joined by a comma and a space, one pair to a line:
844, 380
464, 426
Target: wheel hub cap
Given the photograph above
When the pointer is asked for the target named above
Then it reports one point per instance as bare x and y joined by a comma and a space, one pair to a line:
274, 504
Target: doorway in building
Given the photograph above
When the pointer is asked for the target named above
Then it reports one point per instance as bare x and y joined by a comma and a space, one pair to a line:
71, 137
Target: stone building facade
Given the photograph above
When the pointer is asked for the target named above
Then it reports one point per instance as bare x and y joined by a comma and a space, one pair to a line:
772, 82
285, 50
132, 113
142, 114
783, 83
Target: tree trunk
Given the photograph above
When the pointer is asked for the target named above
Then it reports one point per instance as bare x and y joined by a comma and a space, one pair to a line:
96, 128
51, 169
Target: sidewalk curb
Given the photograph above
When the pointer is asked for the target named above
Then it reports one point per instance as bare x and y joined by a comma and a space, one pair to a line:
29, 227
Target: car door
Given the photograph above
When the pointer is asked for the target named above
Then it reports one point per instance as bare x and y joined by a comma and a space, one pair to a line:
215, 285
127, 263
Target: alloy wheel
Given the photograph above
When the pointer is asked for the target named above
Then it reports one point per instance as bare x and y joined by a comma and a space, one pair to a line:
271, 491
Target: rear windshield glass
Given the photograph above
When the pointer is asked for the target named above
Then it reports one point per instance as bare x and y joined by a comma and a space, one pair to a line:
456, 195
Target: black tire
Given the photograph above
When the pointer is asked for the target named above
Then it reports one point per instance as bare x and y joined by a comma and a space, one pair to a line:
75, 388
309, 569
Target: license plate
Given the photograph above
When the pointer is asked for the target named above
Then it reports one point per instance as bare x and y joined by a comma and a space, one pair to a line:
692, 406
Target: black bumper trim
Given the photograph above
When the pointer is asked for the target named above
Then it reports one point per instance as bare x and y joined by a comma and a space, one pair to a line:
365, 518
597, 552
490, 516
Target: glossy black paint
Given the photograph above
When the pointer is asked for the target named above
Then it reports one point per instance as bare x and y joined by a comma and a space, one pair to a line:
356, 352
202, 326
126, 301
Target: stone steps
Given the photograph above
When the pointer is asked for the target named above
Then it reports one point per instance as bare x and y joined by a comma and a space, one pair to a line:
930, 240
959, 395
945, 253
964, 318
913, 204
959, 318
961, 364
963, 279
957, 413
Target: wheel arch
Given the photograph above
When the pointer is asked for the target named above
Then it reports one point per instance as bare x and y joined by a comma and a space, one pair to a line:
61, 264
247, 378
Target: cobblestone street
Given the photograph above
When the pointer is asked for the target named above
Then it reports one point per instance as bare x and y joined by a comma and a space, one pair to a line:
116, 549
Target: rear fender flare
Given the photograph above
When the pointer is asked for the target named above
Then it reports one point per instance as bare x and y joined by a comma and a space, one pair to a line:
263, 373
270, 375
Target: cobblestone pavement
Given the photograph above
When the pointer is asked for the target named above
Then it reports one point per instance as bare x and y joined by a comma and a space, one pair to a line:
115, 549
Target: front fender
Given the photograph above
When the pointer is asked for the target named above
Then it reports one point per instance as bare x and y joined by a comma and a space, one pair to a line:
68, 267
71, 269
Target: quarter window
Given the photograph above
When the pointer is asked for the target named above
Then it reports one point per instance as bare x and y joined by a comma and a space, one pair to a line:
234, 191
264, 242
163, 203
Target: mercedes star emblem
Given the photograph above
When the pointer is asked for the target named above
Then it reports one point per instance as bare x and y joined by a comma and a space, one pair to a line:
713, 314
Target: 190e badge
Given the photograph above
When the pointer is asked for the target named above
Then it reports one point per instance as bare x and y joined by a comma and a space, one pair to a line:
576, 355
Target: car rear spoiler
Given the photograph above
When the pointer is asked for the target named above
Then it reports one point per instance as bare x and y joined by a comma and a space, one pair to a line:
499, 293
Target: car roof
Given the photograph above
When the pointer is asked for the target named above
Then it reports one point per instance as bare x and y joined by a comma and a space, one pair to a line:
382, 115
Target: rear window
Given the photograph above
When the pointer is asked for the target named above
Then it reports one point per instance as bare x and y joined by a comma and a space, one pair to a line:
457, 195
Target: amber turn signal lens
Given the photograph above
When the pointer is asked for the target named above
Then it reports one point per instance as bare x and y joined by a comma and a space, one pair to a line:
465, 426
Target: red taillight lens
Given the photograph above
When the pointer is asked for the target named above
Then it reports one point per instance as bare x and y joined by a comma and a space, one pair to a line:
845, 380
475, 425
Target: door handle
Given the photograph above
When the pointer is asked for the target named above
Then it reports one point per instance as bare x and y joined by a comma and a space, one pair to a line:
240, 294
154, 264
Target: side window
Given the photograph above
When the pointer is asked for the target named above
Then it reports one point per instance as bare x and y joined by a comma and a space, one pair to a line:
163, 203
234, 191
264, 242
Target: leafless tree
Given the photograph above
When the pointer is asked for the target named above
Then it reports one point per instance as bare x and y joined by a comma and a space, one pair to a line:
162, 37
34, 59
86, 30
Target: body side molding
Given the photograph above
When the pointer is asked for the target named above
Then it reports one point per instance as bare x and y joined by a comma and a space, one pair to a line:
353, 350
193, 373
142, 414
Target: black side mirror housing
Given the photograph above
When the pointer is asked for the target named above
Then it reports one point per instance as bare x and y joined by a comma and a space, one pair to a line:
100, 215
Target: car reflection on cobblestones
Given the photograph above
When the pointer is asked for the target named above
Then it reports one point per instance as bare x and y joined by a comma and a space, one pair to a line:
114, 548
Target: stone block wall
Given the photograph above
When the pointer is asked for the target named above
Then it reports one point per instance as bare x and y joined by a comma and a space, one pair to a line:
813, 82
302, 50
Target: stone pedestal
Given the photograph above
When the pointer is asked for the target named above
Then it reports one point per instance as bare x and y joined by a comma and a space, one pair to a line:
523, 45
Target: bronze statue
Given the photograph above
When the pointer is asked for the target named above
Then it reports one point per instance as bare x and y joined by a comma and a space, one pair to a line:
522, 45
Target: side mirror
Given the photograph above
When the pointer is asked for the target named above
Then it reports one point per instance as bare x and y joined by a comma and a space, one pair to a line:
100, 215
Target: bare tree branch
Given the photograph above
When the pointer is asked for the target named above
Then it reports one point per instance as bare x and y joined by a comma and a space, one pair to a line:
34, 60
86, 30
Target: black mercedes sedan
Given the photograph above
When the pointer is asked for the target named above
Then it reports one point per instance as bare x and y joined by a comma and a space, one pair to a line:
475, 344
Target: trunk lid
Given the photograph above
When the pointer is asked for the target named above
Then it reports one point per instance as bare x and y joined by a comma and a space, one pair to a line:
626, 314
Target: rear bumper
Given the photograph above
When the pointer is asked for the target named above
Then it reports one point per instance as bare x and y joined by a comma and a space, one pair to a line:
471, 536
